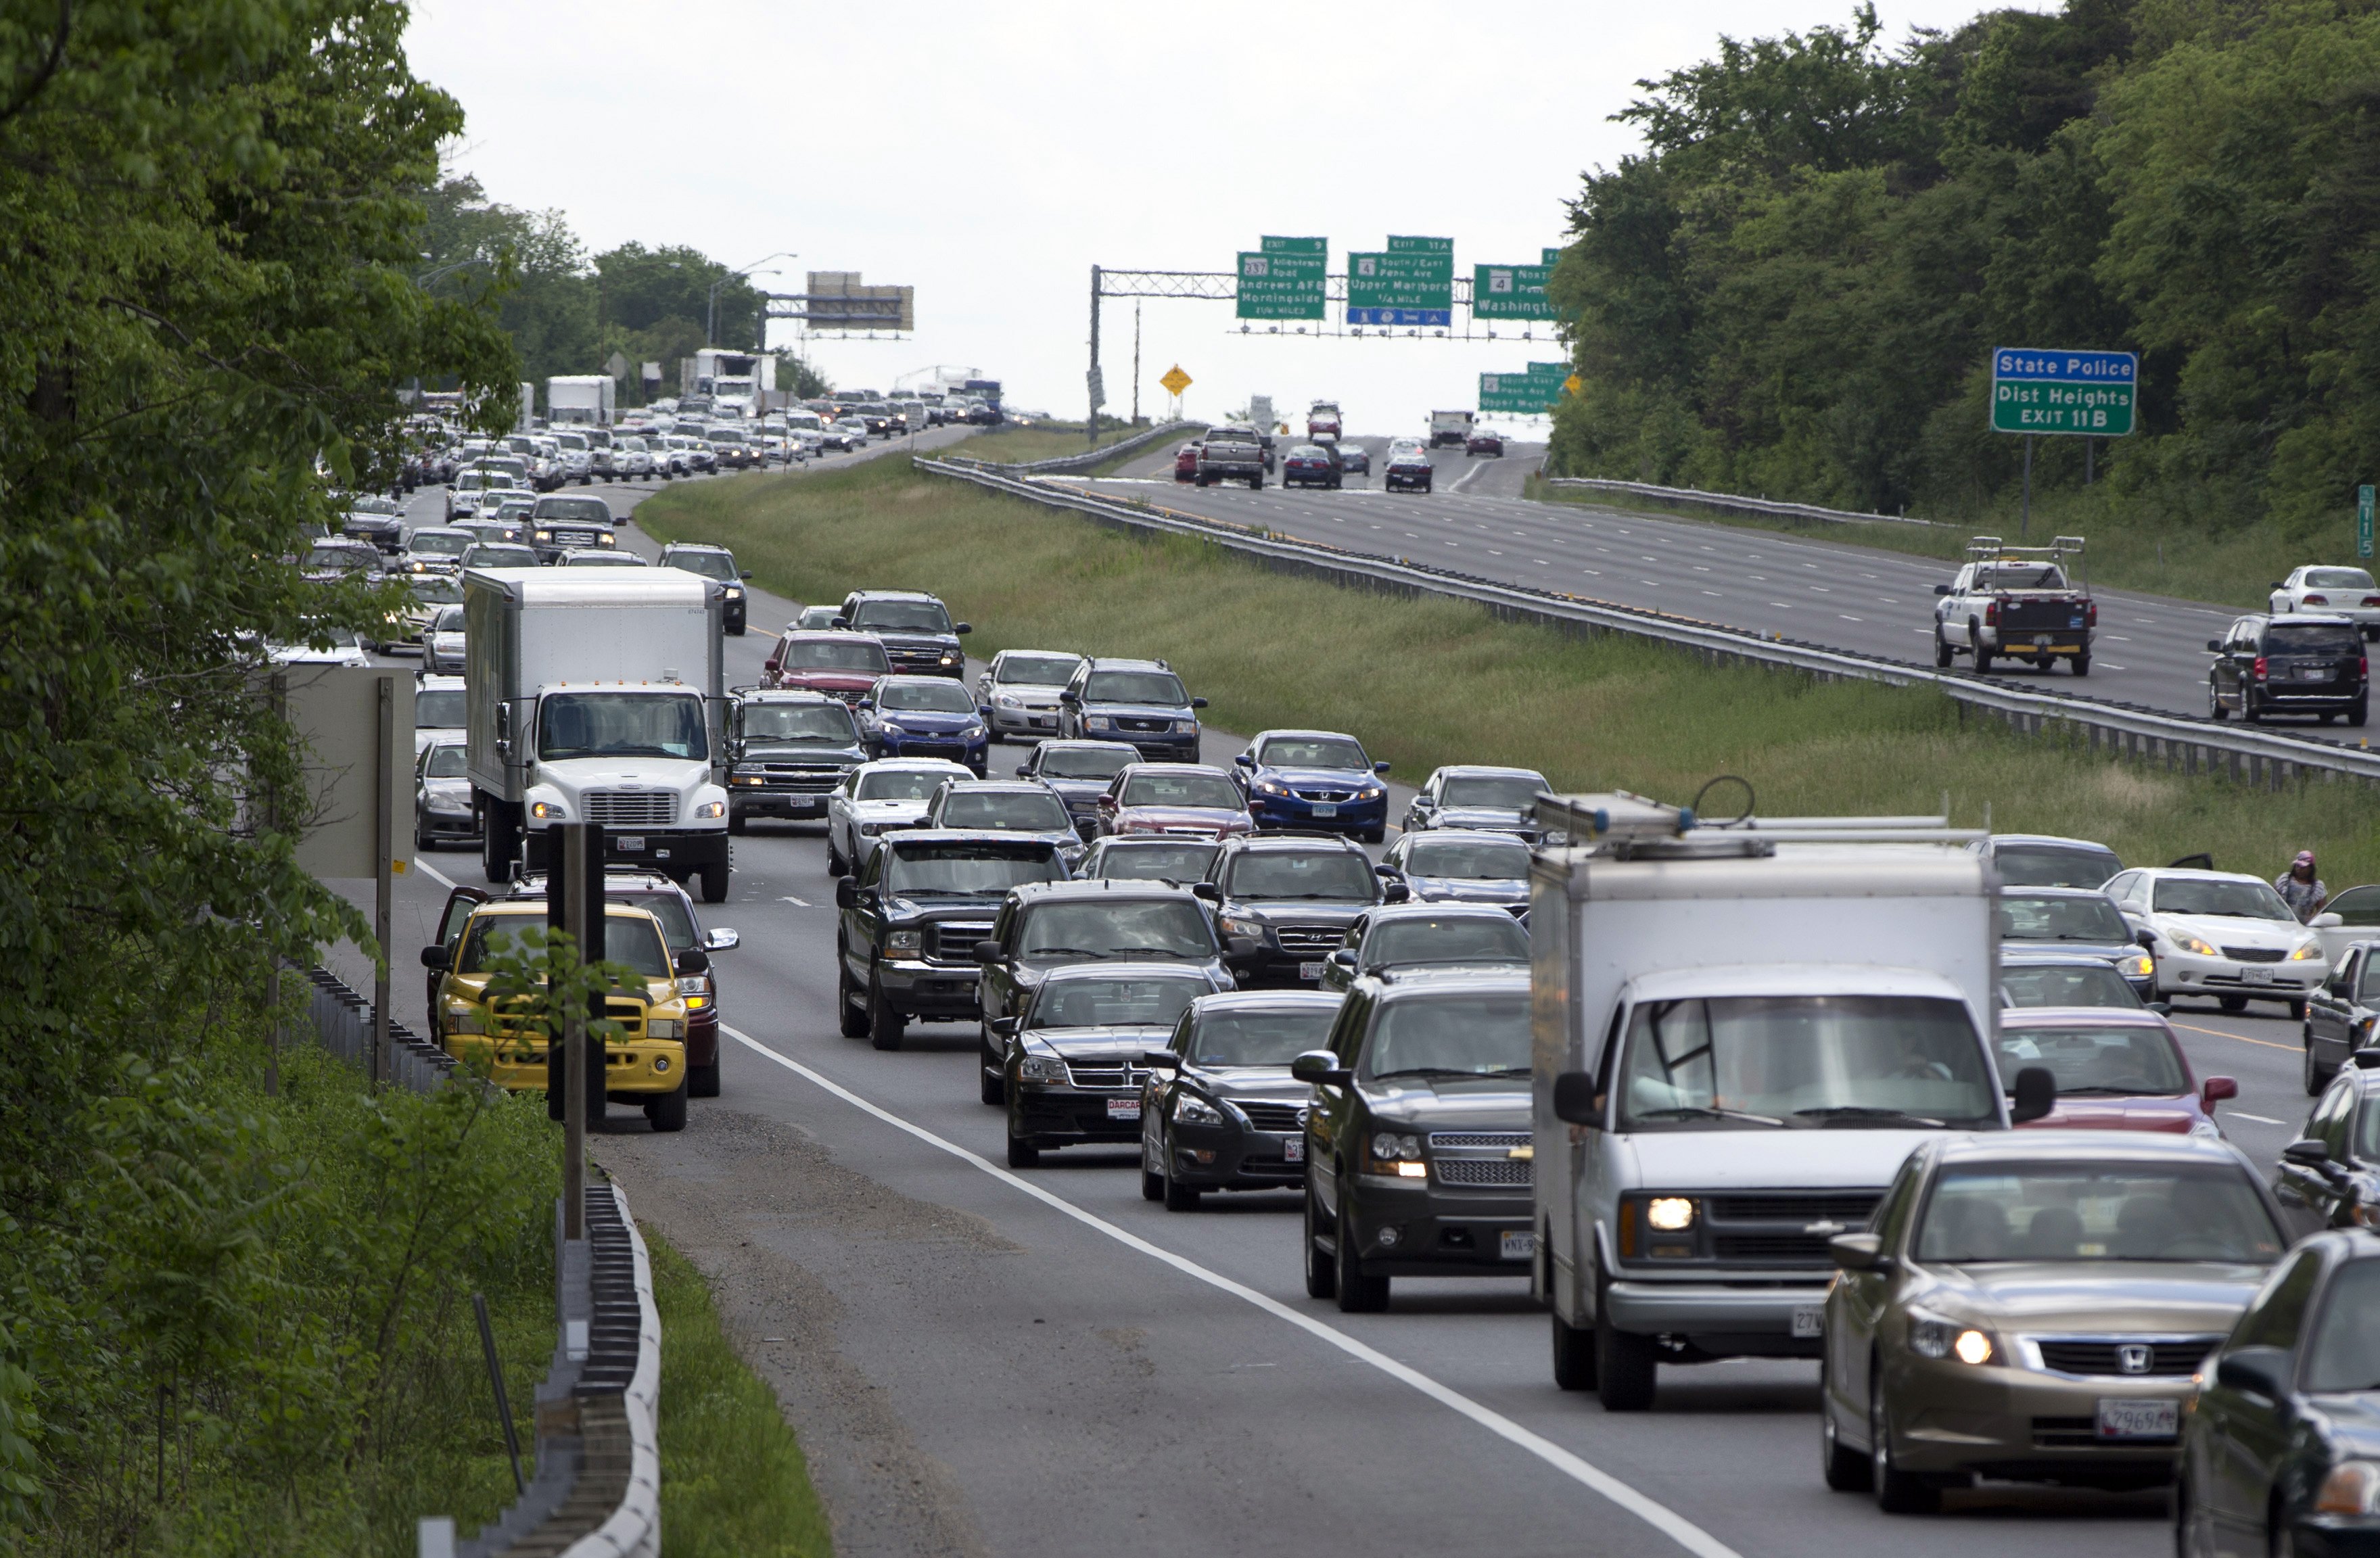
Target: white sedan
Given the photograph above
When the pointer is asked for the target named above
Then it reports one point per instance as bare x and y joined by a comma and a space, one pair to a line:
2331, 592
2221, 933
879, 797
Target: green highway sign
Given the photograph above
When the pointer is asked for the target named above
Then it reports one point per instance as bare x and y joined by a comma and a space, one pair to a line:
1552, 257
1529, 394
1510, 292
2363, 522
1410, 283
1283, 279
2084, 393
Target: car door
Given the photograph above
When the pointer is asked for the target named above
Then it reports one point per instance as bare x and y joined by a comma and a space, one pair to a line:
1157, 1096
1952, 611
1329, 1120
2359, 920
2243, 1436
863, 923
1862, 1298
2307, 1194
451, 920
2331, 1009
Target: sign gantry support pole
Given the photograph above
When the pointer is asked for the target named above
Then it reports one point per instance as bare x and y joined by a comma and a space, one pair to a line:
383, 871
2024, 514
1092, 379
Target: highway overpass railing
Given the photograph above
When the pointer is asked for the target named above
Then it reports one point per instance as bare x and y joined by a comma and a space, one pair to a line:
1066, 464
2245, 755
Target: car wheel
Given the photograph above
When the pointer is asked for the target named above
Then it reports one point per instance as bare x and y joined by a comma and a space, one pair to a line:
885, 1025
1358, 1294
1179, 1197
2082, 664
1021, 1152
1975, 640
2357, 710
2215, 709
1322, 1271
2232, 1003
991, 1084
1374, 835
835, 865
702, 1082
2251, 712
1845, 1469
714, 883
2296, 1010
1897, 1492
1625, 1368
1941, 649
1152, 1183
421, 843
1573, 1355
668, 1111
739, 822
847, 998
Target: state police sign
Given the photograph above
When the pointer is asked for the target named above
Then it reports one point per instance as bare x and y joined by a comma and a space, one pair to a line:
2036, 389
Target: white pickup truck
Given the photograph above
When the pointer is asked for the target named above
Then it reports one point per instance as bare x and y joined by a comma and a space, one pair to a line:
2018, 603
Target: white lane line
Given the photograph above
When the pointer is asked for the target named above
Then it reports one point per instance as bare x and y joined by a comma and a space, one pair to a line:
797, 902
435, 874
1658, 1515
1848, 618
2260, 1120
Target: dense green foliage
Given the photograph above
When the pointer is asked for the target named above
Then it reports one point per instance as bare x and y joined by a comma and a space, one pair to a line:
1795, 288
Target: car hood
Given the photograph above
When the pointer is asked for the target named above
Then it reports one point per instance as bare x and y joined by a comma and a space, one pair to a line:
1181, 816
1437, 1103
1139, 710
879, 810
1129, 1041
2110, 949
642, 773
2142, 1297
1343, 778
890, 636
801, 752
2170, 1113
1466, 889
1754, 1157
2228, 930
925, 719
2353, 1420
1072, 789
1273, 1083
969, 905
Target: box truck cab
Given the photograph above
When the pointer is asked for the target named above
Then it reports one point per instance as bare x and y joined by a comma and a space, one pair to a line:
598, 696
1739, 1033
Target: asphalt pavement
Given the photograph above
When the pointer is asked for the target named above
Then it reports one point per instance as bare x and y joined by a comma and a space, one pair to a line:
1040, 1362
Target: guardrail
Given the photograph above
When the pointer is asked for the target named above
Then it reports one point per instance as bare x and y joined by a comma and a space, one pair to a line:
341, 1021
1063, 463
1735, 503
2151, 735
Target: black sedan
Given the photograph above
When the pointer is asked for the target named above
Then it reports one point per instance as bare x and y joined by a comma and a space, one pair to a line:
2079, 920
1079, 1054
1410, 473
2280, 1452
1310, 465
2341, 1014
1355, 459
1219, 1110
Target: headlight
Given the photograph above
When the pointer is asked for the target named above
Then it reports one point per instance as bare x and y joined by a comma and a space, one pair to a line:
607, 540
1370, 793
465, 1019
694, 985
1096, 722
734, 595
971, 730
1235, 926
905, 941
1669, 1215
1267, 786
454, 803
2306, 953
545, 535
1930, 1335
2138, 966
1195, 1111
712, 809
665, 1028
2192, 944
545, 811
949, 659
2353, 1488
1008, 700
750, 778
1389, 1146
891, 729
1041, 1068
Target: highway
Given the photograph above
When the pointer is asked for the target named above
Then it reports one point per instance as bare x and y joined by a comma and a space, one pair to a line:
988, 1362
2152, 651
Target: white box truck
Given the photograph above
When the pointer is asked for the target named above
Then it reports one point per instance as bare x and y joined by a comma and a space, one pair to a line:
579, 398
1740, 1033
1450, 427
597, 694
733, 380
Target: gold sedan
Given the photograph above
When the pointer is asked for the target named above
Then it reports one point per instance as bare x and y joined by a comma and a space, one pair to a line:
2033, 1307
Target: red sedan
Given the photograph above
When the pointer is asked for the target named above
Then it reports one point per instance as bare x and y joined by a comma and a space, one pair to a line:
1176, 799
842, 665
1485, 443
1186, 462
2116, 1070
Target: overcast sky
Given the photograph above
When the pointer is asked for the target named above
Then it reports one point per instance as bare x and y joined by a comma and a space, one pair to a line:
989, 155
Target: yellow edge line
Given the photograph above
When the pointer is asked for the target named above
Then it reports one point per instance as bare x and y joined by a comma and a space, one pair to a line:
2268, 1043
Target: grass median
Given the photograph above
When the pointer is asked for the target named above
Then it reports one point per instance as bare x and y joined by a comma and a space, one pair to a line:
1428, 681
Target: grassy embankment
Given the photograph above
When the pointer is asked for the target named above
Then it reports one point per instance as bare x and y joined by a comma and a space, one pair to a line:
2127, 548
1428, 681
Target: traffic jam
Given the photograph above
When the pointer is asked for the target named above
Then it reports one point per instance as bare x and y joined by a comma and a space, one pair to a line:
1903, 1101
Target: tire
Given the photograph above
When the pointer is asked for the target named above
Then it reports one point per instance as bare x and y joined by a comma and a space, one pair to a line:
423, 844
1152, 1184
497, 845
1975, 642
1374, 835
2296, 1012
835, 865
1179, 1197
1573, 1355
1625, 1369
852, 1016
991, 1084
2215, 709
1322, 1271
1941, 649
668, 1111
2250, 711
1897, 1492
2082, 664
1022, 1154
739, 822
2313, 1076
1256, 484
2357, 710
885, 1026
1200, 480
1358, 1294
1846, 1470
2232, 1003
714, 883
702, 1082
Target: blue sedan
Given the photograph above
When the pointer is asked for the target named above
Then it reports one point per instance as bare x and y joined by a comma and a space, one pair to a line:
926, 717
1313, 780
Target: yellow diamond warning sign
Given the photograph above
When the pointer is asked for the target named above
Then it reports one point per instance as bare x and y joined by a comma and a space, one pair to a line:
1176, 381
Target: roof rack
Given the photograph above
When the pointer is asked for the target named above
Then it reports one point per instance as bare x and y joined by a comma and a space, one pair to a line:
1984, 549
1627, 824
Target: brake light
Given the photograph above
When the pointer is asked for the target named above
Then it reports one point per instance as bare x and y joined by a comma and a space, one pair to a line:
2259, 670
2362, 666
2090, 614
2371, 600
1992, 611
2317, 600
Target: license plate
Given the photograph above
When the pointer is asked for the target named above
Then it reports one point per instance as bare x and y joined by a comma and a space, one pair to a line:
2258, 975
1329, 809
1294, 1150
2121, 1419
1809, 1320
630, 840
1309, 971
1123, 1108
1511, 1246
814, 803
2313, 673
1041, 724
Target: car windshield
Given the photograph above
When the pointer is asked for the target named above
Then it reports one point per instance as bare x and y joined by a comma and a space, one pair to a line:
1464, 861
2024, 917
1037, 670
1803, 1060
1155, 862
620, 725
449, 620
1453, 939
446, 761
1506, 792
1342, 875
904, 784
2083, 985
1260, 1038
627, 938
725, 435
2345, 1352
501, 557
1162, 688
928, 694
1159, 927
437, 543
1014, 810
372, 506
344, 559
2310, 639
710, 564
1464, 1033
1085, 763
677, 924
799, 723
1313, 751
576, 511
2097, 1211
603, 559
2108, 1062
2054, 866
2235, 901
438, 710
1307, 451
843, 652
987, 870
2338, 578
903, 616
1115, 1002
1211, 792
816, 618
438, 589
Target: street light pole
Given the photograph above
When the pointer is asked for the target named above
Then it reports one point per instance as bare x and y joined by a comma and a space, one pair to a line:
710, 310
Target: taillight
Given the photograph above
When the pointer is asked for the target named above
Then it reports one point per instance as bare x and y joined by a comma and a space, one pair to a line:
2317, 600
2362, 666
2090, 614
1992, 611
2371, 600
2259, 669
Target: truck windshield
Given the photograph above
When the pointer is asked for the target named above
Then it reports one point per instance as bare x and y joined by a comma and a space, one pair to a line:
1803, 1060
574, 511
628, 938
620, 725
903, 616
967, 870
1470, 1034
2097, 1212
798, 722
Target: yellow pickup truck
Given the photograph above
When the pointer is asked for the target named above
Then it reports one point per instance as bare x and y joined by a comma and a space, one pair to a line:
644, 1062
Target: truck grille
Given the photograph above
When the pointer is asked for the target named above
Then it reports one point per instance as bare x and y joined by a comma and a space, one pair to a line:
913, 659
2167, 1356
1785, 1227
1482, 1171
2254, 954
806, 781
1146, 727
1105, 1071
630, 808
1314, 939
1274, 1117
1801, 1250
1851, 1210
953, 941
1496, 1141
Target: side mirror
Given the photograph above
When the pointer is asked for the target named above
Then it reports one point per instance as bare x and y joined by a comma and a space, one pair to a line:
2214, 645
694, 959
865, 702
1320, 1068
1380, 767
1205, 893
722, 939
1069, 696
2276, 585
2307, 1152
1394, 892
983, 711
2145, 937
746, 573
1023, 770
2162, 1008
2254, 1370
1574, 1099
2325, 922
1244, 761
1005, 1026
988, 952
1160, 1060
2036, 1094
1941, 590
436, 958
1239, 949
1345, 957
841, 622
1859, 1252
2215, 1089
962, 627
1197, 703
846, 893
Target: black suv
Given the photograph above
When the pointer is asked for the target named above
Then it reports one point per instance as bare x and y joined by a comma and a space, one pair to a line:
1419, 1148
1293, 896
1138, 701
1078, 771
560, 524
711, 562
1044, 927
908, 924
2294, 664
785, 751
917, 632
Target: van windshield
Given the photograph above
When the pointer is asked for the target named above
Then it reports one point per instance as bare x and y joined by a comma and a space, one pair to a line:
1803, 1061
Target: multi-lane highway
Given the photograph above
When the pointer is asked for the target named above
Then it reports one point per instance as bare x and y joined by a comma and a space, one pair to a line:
983, 1360
2152, 651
